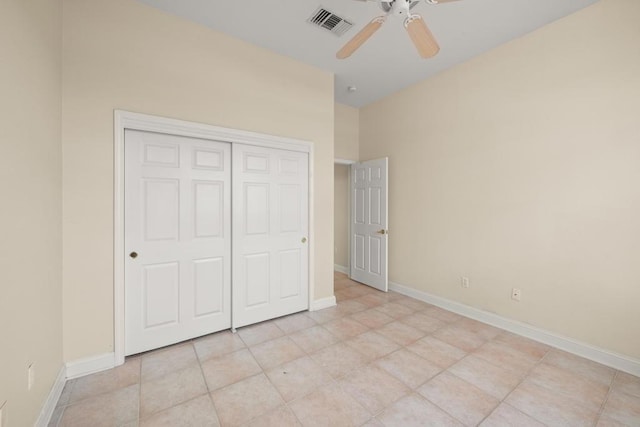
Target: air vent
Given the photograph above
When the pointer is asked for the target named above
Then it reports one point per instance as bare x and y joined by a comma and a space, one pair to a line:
330, 21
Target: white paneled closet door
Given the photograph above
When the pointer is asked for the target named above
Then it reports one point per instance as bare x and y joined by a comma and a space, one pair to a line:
270, 229
177, 239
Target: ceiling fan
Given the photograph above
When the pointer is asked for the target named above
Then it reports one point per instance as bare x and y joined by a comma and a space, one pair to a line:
419, 33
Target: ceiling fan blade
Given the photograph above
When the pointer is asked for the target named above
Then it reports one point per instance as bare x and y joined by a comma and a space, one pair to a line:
359, 39
440, 1
421, 36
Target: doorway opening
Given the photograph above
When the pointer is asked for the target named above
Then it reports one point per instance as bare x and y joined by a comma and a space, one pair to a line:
363, 255
341, 216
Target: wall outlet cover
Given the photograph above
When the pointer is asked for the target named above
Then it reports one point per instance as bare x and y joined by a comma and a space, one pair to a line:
516, 294
31, 376
3, 414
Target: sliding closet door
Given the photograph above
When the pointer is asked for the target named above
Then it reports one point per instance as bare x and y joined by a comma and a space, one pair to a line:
270, 229
177, 239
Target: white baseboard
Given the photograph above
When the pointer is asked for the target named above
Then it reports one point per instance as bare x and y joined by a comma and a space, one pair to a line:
90, 365
605, 357
340, 268
321, 303
52, 399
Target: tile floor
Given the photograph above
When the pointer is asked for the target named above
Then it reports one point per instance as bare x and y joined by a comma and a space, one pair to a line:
374, 360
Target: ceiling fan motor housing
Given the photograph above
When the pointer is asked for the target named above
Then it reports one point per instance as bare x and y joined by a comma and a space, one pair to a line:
401, 8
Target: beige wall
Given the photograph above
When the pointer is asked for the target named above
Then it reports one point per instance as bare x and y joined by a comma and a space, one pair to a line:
346, 147
30, 181
521, 168
341, 215
122, 54
347, 132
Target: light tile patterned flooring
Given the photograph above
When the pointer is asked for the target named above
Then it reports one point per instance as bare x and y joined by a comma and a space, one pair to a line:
375, 360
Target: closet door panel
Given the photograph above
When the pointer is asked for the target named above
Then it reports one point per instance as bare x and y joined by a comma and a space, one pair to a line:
177, 239
270, 232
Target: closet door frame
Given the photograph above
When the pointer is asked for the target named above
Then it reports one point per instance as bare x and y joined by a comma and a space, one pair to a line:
144, 122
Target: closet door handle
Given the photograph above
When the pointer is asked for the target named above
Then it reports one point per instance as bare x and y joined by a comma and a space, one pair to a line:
304, 240
133, 255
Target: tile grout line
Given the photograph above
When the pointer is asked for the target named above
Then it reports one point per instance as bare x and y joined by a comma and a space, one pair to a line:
191, 342
524, 377
340, 340
600, 409
372, 363
500, 401
438, 406
511, 348
462, 379
206, 383
64, 406
96, 395
606, 398
444, 370
139, 388
306, 354
338, 381
445, 324
309, 353
286, 404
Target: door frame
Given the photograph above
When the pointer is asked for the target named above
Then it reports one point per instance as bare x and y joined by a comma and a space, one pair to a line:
347, 163
145, 122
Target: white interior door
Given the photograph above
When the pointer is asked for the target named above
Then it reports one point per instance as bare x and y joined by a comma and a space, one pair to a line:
369, 226
270, 229
177, 239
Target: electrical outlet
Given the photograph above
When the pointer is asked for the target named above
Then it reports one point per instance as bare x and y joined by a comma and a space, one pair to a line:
31, 376
515, 294
464, 281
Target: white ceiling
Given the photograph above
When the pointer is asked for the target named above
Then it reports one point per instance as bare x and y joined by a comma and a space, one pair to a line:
388, 62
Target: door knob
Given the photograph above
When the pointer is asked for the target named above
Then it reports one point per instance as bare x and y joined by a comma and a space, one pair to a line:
133, 255
383, 231
304, 240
